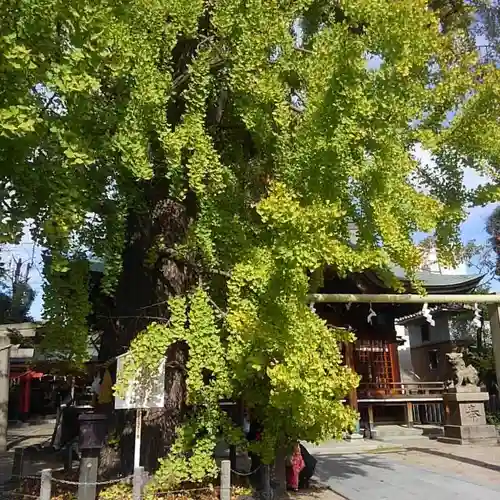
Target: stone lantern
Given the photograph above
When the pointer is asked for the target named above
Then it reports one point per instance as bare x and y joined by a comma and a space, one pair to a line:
93, 427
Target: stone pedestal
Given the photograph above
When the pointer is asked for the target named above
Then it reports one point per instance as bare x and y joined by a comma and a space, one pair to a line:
465, 418
355, 436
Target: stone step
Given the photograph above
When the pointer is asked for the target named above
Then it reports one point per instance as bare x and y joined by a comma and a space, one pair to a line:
390, 432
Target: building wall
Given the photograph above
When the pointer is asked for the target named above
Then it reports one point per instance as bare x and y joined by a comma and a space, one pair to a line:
421, 361
440, 332
406, 369
428, 356
431, 263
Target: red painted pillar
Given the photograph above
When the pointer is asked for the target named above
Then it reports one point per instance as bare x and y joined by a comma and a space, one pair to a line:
27, 394
22, 387
19, 397
25, 399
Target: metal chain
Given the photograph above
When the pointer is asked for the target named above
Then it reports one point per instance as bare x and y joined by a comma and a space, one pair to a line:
11, 494
184, 491
244, 474
65, 481
17, 476
97, 483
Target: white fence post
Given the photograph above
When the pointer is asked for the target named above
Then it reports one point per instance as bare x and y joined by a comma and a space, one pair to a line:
225, 480
138, 483
45, 484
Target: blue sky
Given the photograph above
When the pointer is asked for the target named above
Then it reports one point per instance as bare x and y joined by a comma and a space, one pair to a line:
26, 251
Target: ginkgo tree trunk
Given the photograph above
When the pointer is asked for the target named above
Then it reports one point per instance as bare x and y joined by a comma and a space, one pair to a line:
212, 154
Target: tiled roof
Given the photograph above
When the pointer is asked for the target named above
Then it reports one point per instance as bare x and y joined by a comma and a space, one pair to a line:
437, 279
454, 308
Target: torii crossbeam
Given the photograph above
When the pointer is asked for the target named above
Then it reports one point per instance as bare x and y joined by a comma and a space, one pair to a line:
394, 298
493, 301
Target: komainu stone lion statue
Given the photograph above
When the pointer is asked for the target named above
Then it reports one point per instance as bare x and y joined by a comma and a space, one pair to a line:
462, 374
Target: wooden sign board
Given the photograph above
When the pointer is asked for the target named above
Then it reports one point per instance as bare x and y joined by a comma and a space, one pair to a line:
142, 394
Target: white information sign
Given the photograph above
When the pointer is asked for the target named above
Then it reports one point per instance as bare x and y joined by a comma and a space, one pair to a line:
142, 394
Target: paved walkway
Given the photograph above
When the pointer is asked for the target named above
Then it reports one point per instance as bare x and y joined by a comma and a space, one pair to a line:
380, 477
484, 456
22, 437
29, 435
314, 493
408, 470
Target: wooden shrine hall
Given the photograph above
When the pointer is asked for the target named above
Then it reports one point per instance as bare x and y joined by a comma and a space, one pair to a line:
382, 397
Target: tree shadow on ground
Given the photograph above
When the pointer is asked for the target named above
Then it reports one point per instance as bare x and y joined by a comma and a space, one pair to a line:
345, 466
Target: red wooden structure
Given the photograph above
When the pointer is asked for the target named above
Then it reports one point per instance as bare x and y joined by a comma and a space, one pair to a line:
24, 379
374, 356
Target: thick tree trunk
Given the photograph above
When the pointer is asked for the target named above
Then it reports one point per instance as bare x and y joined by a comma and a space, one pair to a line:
151, 275
280, 471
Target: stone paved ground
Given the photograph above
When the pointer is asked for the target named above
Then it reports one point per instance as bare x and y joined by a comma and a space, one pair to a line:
448, 466
314, 493
417, 468
29, 435
487, 456
382, 477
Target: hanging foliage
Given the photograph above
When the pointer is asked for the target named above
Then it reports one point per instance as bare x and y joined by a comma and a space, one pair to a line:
214, 153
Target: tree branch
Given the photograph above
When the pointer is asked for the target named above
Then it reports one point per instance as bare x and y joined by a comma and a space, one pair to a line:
302, 49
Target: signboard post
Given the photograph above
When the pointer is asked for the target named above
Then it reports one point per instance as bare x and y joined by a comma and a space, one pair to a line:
137, 442
141, 395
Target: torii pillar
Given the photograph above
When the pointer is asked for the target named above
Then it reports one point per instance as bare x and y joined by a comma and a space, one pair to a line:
353, 394
4, 389
494, 313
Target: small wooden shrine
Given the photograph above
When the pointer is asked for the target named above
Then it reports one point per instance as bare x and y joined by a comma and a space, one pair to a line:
382, 397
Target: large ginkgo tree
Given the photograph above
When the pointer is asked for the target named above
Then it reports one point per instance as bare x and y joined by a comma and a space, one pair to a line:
212, 154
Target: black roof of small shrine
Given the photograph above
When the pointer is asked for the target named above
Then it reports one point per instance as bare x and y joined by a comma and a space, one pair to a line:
433, 279
433, 282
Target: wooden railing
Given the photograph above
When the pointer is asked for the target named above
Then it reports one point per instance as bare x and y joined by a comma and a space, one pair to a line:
428, 413
400, 389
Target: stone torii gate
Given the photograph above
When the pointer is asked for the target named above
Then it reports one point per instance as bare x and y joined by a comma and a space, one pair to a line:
492, 300
25, 330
